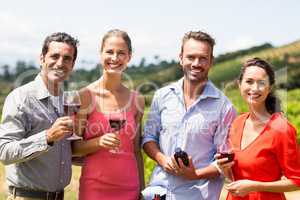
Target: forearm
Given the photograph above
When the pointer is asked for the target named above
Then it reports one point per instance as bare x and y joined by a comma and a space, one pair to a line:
15, 151
207, 172
84, 147
153, 151
275, 186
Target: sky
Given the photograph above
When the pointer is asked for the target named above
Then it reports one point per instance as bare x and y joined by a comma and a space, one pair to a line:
155, 27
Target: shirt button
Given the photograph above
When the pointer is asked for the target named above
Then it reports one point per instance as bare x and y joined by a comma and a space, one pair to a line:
61, 180
62, 162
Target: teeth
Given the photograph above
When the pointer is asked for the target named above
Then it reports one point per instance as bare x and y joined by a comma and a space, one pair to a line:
59, 72
254, 95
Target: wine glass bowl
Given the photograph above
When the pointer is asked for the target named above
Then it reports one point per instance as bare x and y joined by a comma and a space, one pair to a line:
116, 125
226, 151
71, 104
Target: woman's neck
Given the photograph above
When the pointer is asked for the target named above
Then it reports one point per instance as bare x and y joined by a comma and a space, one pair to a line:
111, 81
259, 115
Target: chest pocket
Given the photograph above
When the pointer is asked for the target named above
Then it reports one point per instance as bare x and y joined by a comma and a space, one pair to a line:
38, 116
170, 117
201, 125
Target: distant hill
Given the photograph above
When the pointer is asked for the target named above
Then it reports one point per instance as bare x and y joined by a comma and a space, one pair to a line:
147, 78
281, 57
227, 67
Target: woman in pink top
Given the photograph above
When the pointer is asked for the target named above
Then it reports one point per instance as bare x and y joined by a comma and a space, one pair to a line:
113, 164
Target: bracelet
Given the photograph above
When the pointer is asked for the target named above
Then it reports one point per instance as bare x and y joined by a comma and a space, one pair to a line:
215, 164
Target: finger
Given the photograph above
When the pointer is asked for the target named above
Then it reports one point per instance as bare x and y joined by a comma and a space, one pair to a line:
112, 135
181, 165
217, 155
112, 141
222, 161
191, 164
108, 144
174, 163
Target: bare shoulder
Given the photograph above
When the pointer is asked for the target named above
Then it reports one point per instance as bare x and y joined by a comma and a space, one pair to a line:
86, 97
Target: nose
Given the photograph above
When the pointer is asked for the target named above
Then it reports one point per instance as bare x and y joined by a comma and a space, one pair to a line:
60, 61
255, 86
196, 62
114, 57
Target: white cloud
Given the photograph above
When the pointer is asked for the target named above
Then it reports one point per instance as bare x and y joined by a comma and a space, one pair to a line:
240, 42
17, 38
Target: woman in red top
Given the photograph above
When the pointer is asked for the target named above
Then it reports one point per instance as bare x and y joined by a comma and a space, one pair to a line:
263, 141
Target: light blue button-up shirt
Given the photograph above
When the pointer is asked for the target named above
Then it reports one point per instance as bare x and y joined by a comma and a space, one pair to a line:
198, 130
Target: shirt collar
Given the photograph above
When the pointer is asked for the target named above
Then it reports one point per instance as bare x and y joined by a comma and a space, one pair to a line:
210, 91
41, 89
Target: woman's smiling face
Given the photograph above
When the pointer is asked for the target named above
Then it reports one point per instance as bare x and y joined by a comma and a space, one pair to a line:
115, 54
255, 86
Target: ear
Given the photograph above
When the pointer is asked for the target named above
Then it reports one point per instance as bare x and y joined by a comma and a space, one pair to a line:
42, 60
181, 59
238, 83
212, 60
130, 56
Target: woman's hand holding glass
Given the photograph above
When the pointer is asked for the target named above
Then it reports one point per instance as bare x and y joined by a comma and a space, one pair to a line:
224, 159
110, 141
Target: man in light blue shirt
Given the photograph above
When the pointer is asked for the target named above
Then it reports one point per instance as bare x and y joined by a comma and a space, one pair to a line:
191, 114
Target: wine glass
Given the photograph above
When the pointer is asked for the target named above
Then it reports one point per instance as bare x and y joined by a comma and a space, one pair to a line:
226, 150
116, 125
71, 104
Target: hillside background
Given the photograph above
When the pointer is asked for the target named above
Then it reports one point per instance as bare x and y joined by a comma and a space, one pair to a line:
147, 77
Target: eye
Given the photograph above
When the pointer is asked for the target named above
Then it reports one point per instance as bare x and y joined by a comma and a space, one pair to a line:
262, 83
203, 60
68, 59
190, 58
121, 53
54, 56
109, 51
249, 81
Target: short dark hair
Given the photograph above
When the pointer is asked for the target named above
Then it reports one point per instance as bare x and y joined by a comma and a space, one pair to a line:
199, 36
272, 103
60, 37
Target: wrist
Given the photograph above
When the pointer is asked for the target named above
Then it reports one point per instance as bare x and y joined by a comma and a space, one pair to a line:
161, 159
256, 186
48, 139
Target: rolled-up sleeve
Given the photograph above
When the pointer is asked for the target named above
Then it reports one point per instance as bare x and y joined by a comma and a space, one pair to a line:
15, 146
153, 123
226, 119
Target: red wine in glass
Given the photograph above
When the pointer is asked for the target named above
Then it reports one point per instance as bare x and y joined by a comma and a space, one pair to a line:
228, 155
71, 109
71, 104
117, 124
226, 151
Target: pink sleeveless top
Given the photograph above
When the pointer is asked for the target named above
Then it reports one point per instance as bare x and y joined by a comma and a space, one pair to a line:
112, 170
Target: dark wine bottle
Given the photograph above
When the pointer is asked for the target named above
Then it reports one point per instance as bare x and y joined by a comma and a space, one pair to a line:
182, 155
